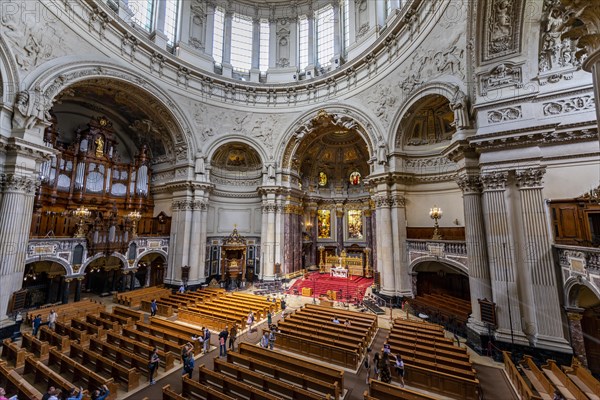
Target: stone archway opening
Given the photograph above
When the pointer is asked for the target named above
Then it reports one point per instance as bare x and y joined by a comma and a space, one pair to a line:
44, 282
151, 270
585, 338
434, 277
104, 275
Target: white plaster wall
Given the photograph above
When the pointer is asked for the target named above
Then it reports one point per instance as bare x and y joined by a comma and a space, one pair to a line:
419, 204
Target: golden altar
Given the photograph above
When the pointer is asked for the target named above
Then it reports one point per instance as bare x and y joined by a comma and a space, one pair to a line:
354, 264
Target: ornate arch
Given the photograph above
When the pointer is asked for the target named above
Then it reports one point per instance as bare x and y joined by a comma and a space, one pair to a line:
9, 75
460, 267
101, 255
62, 262
451, 91
157, 101
145, 253
571, 290
255, 145
344, 116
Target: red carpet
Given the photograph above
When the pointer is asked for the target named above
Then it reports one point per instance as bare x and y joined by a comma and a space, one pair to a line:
353, 287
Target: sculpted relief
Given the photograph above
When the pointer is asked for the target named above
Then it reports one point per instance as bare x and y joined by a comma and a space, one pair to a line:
501, 28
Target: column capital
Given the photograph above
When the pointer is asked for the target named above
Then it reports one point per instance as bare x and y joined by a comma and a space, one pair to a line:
18, 183
469, 184
583, 27
530, 177
397, 201
574, 316
382, 201
494, 180
182, 205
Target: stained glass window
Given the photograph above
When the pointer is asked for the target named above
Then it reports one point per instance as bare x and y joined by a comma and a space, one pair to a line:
355, 178
324, 224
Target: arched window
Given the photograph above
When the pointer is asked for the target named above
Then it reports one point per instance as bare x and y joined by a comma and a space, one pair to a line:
241, 43
219, 22
303, 41
163, 16
265, 31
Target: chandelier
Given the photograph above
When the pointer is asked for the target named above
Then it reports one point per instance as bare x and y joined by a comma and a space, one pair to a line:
134, 217
436, 213
82, 213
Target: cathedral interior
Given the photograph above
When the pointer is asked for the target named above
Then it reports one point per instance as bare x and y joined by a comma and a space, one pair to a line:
440, 147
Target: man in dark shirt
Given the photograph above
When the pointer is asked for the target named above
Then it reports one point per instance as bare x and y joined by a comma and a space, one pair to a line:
222, 341
50, 392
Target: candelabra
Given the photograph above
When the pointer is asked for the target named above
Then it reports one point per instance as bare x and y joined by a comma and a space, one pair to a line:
82, 213
368, 272
436, 213
134, 217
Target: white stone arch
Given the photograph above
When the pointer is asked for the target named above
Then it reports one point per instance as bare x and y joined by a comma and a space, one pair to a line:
458, 266
445, 89
62, 262
255, 145
9, 74
61, 76
368, 130
101, 255
570, 290
146, 252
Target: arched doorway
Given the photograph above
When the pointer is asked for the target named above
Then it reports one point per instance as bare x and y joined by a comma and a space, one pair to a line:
44, 281
588, 315
151, 270
434, 277
103, 275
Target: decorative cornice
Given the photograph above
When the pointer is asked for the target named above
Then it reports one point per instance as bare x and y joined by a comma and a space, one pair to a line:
530, 178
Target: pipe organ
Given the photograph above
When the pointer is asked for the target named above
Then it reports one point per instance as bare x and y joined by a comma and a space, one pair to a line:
88, 173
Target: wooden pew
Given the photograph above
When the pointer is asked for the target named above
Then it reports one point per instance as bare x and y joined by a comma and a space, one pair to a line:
169, 335
61, 342
384, 391
537, 378
126, 312
129, 376
175, 327
562, 381
169, 394
523, 390
264, 381
34, 345
103, 323
194, 390
232, 386
13, 382
82, 325
324, 332
152, 340
13, 353
278, 372
67, 311
125, 321
204, 319
282, 360
80, 373
74, 334
167, 360
161, 309
119, 355
583, 379
39, 372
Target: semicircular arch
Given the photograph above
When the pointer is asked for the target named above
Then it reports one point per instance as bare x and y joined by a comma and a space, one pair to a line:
156, 100
148, 252
345, 116
571, 290
95, 257
220, 142
459, 267
444, 89
62, 262
9, 73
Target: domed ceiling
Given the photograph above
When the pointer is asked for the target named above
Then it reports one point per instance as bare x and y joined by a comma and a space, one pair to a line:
236, 157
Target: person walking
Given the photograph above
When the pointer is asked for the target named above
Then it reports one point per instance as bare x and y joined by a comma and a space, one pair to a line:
385, 373
264, 340
272, 338
400, 369
153, 308
222, 341
37, 322
52, 318
232, 337
187, 358
153, 365
368, 364
250, 321
376, 366
206, 342
269, 318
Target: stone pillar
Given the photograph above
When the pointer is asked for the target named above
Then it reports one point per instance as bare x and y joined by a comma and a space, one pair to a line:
352, 23
537, 259
574, 316
255, 43
288, 245
380, 12
501, 259
369, 234
228, 23
16, 209
337, 34
312, 36
210, 28
123, 281
195, 243
268, 241
403, 279
66, 290
180, 239
385, 244
479, 271
203, 226
78, 289
279, 238
339, 228
132, 282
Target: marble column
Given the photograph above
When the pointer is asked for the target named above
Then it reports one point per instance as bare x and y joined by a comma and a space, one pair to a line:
255, 43
337, 36
210, 28
314, 233
195, 243
66, 290
180, 239
574, 316
288, 245
501, 260
16, 210
339, 228
279, 238
78, 289
385, 243
228, 24
352, 25
312, 37
132, 282
203, 273
479, 271
403, 279
537, 259
369, 234
268, 244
